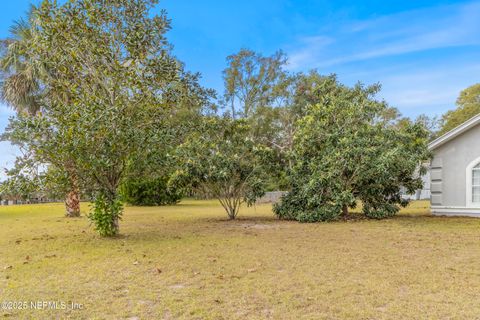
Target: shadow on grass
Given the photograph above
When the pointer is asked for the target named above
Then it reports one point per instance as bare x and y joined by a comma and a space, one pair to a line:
436, 222
243, 219
195, 227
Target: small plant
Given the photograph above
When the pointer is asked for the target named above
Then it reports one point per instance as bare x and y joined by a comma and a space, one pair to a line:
105, 214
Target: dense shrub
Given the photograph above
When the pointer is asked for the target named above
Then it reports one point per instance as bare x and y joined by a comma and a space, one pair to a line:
289, 206
351, 148
294, 206
149, 192
325, 213
379, 211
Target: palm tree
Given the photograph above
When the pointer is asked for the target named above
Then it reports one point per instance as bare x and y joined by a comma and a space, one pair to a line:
21, 89
20, 85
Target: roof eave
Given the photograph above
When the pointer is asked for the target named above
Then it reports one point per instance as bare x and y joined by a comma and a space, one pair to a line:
467, 125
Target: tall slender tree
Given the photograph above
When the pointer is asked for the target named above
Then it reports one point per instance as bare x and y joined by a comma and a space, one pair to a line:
251, 81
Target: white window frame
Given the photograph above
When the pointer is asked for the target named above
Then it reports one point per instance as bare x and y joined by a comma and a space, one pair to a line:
470, 167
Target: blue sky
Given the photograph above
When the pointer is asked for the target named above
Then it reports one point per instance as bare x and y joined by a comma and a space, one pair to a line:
422, 52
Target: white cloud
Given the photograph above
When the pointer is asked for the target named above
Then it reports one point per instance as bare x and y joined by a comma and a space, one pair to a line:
423, 58
314, 44
416, 89
407, 32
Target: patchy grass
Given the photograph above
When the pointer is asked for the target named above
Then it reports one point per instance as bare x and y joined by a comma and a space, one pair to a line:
189, 262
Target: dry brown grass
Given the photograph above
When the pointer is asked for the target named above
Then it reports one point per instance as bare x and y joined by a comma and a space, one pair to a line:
189, 262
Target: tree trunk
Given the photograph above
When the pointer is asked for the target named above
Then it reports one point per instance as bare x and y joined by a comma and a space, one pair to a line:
231, 213
116, 225
233, 109
72, 200
345, 211
72, 204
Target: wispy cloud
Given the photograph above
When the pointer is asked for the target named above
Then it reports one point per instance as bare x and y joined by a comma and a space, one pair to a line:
402, 33
429, 89
416, 88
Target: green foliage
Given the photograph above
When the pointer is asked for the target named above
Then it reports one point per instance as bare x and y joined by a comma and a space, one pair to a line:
382, 210
327, 212
292, 203
252, 81
107, 211
111, 96
222, 161
260, 90
22, 181
468, 106
18, 187
348, 148
149, 192
21, 87
295, 206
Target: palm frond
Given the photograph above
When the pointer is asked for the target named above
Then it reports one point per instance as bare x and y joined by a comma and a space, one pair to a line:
20, 73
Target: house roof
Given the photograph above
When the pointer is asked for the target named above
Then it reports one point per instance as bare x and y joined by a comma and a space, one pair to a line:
467, 125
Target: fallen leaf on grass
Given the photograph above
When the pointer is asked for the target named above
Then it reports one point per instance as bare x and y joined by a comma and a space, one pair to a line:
7, 267
251, 270
135, 263
158, 270
51, 256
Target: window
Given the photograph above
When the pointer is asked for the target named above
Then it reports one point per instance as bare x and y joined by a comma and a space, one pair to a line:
473, 184
476, 184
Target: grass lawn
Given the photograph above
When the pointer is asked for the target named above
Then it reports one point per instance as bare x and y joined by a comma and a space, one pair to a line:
189, 262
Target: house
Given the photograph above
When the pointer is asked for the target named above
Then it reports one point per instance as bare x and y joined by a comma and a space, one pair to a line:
455, 171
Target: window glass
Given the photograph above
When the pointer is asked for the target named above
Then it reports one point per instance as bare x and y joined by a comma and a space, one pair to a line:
476, 184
